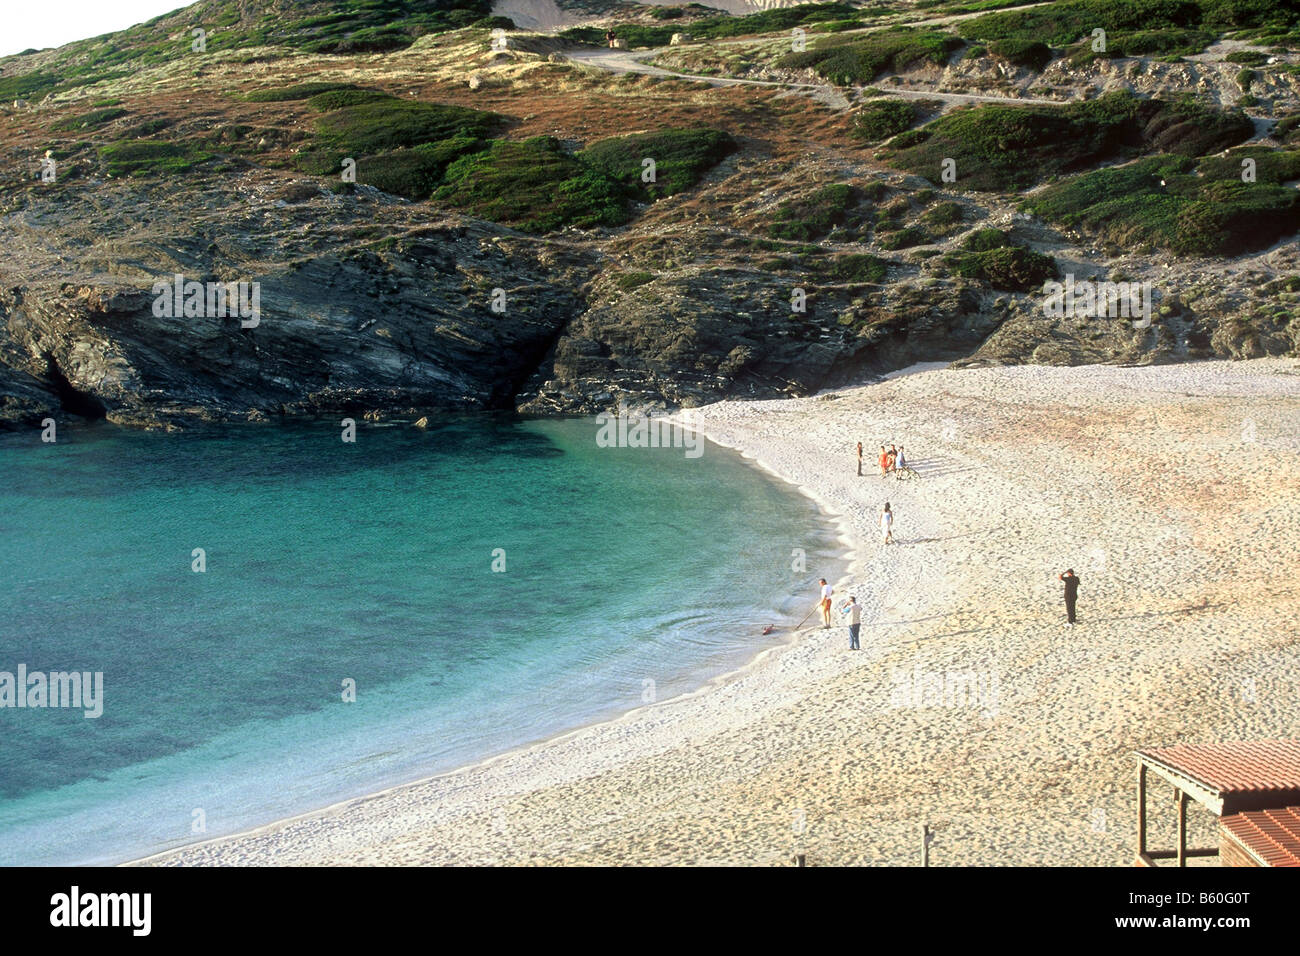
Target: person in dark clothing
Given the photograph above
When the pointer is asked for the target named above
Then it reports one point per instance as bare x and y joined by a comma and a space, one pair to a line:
1071, 582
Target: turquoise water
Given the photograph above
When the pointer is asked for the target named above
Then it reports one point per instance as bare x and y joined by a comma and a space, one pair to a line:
370, 562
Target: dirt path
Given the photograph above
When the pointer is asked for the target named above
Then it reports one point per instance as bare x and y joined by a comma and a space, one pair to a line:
628, 61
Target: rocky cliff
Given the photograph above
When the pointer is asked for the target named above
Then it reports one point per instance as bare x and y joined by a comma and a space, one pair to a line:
779, 252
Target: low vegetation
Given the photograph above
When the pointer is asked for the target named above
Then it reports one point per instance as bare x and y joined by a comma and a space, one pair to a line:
881, 119
640, 35
856, 267
992, 256
145, 157
996, 147
535, 186
1031, 54
86, 121
861, 59
1166, 28
816, 215
1161, 202
681, 158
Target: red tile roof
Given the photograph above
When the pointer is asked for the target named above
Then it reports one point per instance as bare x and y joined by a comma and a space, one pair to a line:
1270, 835
1238, 767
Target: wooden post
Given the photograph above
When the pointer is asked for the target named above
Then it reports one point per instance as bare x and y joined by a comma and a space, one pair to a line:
1182, 828
1142, 809
926, 839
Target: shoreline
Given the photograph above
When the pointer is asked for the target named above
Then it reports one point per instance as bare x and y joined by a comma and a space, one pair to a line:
1123, 472
842, 533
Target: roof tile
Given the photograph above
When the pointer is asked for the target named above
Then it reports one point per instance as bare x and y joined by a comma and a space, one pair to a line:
1236, 767
1271, 835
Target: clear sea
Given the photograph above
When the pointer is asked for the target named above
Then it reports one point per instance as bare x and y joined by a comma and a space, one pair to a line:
629, 574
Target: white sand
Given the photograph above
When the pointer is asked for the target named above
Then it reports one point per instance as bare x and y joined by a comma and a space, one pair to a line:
1173, 491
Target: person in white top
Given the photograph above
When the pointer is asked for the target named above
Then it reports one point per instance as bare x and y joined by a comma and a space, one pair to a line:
826, 604
854, 609
886, 525
900, 462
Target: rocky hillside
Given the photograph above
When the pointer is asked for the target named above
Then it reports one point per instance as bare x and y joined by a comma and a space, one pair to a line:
429, 210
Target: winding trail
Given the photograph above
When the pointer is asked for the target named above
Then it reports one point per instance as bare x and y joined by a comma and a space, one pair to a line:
627, 61
837, 97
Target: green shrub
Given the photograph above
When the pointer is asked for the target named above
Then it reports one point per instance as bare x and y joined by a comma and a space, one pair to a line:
414, 173
1002, 148
1287, 129
381, 39
1213, 214
860, 60
991, 256
983, 240
328, 100
299, 91
681, 157
1031, 54
27, 86
1247, 57
943, 214
387, 124
91, 120
882, 119
143, 157
632, 280
147, 128
535, 186
637, 35
858, 267
904, 238
1013, 268
1065, 22
815, 216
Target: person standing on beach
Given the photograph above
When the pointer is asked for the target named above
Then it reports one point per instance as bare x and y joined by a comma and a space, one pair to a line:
1071, 594
825, 604
853, 608
886, 525
884, 462
900, 462
859, 459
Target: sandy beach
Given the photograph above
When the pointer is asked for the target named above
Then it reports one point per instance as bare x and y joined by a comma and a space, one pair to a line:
1173, 491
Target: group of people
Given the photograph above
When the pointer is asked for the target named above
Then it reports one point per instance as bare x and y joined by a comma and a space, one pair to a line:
852, 608
891, 459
